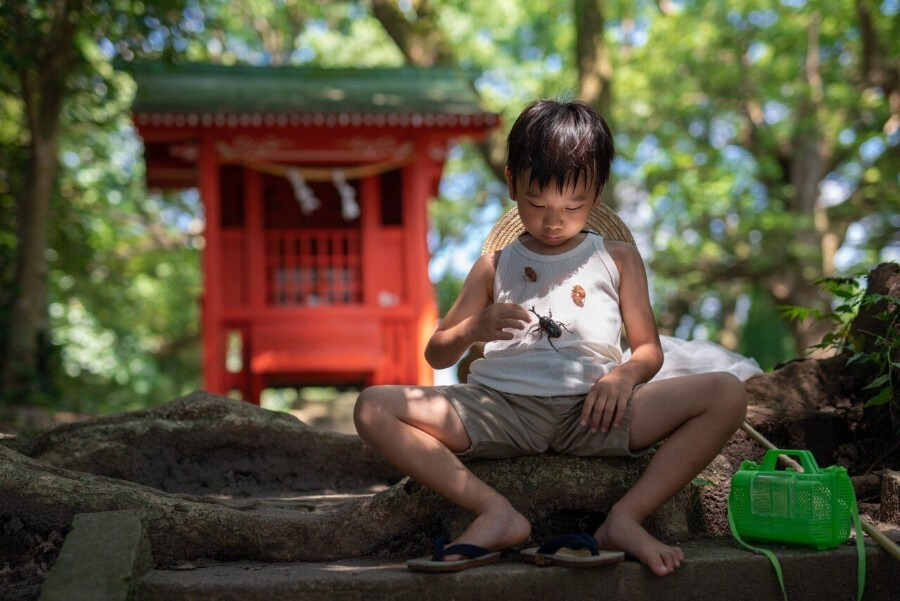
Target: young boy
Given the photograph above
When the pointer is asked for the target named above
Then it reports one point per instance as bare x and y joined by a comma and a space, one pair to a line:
556, 383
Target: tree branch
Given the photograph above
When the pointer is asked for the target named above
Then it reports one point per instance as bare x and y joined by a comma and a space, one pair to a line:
666, 7
423, 45
421, 41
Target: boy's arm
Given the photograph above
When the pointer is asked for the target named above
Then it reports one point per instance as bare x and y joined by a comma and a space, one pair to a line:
606, 402
473, 317
637, 316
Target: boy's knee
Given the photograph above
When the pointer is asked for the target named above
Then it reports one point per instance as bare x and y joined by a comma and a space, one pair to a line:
731, 395
369, 404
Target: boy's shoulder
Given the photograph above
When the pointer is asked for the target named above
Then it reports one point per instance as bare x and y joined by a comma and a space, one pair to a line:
624, 254
488, 261
620, 247
485, 267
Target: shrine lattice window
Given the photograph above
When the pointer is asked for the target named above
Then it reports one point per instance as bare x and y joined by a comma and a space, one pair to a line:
313, 259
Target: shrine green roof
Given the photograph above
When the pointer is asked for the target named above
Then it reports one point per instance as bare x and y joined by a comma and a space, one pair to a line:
218, 89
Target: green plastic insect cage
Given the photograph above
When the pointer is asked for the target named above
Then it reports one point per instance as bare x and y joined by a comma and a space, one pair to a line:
811, 508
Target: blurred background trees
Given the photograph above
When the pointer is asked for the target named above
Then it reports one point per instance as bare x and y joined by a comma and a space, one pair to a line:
758, 151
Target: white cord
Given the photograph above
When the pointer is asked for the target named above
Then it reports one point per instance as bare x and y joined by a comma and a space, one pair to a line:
349, 206
302, 192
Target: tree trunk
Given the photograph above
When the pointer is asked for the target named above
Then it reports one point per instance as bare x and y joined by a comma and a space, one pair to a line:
879, 68
595, 69
43, 93
28, 322
809, 157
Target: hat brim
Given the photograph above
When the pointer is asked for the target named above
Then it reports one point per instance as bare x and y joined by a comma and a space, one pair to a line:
602, 220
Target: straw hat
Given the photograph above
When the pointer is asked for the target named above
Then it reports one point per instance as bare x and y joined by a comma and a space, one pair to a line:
602, 220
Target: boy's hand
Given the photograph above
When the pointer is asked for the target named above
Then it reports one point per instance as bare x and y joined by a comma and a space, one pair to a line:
605, 404
492, 322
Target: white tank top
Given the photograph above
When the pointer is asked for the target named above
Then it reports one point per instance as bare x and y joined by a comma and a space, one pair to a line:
588, 346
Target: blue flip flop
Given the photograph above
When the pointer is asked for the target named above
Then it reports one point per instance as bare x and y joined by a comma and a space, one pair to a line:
474, 556
572, 551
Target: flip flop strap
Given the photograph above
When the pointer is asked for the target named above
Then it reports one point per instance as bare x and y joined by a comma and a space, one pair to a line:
570, 541
470, 551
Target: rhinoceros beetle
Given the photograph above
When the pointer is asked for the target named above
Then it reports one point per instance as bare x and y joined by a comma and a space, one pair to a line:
547, 324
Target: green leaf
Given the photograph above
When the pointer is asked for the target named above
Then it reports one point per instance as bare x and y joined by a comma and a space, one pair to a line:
879, 381
858, 357
881, 398
703, 482
799, 313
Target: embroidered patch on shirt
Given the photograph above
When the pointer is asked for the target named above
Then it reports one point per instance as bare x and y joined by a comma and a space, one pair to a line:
578, 295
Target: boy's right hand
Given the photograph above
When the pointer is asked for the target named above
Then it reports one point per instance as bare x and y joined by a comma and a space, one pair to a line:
494, 321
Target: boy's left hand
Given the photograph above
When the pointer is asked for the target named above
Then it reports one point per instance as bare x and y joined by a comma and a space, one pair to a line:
605, 404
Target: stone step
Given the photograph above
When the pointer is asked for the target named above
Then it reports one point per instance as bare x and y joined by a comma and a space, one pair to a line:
716, 569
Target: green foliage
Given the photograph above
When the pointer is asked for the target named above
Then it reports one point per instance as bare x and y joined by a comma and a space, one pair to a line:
764, 336
447, 289
122, 274
850, 296
12, 161
718, 115
328, 34
124, 269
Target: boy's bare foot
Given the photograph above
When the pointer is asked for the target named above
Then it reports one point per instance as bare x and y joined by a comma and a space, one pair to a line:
621, 532
494, 529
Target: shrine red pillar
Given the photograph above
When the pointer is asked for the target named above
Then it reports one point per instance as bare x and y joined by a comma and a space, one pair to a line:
213, 336
370, 225
255, 274
416, 190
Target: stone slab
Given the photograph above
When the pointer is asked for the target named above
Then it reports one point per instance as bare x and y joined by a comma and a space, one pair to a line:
101, 559
714, 569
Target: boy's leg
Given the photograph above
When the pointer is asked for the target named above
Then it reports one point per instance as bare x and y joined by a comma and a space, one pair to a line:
417, 430
698, 414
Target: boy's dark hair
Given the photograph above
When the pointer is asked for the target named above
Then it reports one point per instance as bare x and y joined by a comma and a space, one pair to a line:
560, 141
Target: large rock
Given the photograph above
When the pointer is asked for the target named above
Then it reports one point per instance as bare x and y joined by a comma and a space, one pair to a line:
817, 404
203, 443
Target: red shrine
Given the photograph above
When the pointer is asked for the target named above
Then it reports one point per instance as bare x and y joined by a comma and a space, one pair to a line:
314, 184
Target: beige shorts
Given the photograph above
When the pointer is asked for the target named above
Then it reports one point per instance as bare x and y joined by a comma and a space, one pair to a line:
508, 425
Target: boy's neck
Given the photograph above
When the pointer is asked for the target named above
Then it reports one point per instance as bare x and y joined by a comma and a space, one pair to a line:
529, 242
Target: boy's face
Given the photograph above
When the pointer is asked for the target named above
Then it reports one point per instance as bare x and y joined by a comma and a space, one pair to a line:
552, 217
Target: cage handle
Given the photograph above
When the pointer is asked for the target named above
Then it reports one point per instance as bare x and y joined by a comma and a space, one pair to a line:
807, 461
